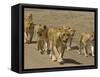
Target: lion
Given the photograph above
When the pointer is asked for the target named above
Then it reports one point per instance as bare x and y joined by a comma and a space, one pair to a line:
42, 41
71, 33
57, 43
86, 40
28, 29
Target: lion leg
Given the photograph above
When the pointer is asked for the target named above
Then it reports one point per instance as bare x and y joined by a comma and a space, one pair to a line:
40, 46
92, 50
81, 43
70, 44
53, 57
30, 36
45, 46
85, 50
48, 47
60, 57
53, 54
26, 37
80, 48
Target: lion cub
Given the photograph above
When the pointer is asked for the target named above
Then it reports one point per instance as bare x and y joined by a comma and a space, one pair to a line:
42, 38
71, 35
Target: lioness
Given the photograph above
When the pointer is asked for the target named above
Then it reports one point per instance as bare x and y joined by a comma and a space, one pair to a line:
87, 39
28, 29
57, 43
71, 35
42, 41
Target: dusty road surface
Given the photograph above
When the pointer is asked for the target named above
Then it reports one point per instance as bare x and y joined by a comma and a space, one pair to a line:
33, 59
80, 21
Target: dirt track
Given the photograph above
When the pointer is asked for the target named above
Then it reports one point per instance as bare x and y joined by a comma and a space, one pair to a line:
33, 59
80, 21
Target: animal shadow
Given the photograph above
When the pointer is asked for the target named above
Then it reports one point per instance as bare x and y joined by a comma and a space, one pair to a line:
75, 48
34, 42
71, 61
31, 42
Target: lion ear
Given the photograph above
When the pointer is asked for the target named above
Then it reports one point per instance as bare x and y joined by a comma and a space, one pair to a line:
60, 35
44, 27
92, 34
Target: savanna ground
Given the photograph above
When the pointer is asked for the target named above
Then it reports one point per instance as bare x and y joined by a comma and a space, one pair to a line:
79, 20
